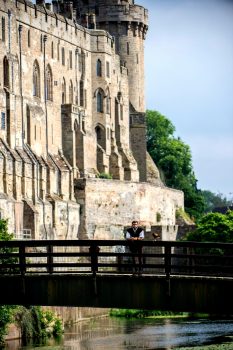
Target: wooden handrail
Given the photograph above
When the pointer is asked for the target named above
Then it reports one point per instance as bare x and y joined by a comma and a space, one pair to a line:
101, 256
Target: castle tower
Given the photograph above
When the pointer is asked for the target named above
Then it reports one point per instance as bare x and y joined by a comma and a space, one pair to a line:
127, 23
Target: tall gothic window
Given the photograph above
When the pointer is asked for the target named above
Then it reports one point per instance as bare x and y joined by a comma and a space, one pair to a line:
63, 56
52, 50
71, 59
98, 68
71, 92
41, 43
81, 93
99, 101
3, 29
82, 62
108, 69
29, 38
3, 120
6, 73
28, 126
48, 83
101, 135
36, 79
58, 51
76, 93
63, 91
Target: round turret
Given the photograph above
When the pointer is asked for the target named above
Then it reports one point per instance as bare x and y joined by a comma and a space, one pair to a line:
127, 23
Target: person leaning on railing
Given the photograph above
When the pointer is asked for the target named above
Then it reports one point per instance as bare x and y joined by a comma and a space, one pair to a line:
135, 233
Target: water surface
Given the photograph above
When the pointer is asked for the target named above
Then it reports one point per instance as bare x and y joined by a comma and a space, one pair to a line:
121, 334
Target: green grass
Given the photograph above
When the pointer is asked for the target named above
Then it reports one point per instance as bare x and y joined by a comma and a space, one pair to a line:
135, 313
226, 346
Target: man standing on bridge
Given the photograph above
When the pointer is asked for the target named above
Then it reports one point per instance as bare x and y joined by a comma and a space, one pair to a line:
135, 233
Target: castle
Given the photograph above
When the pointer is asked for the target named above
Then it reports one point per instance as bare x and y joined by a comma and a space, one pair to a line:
72, 110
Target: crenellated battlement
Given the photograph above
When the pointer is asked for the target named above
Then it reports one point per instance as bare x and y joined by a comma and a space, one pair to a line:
130, 14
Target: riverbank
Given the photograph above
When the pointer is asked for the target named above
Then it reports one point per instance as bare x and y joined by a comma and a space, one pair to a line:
225, 346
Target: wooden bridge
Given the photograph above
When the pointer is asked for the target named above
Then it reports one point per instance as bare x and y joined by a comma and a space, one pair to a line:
176, 276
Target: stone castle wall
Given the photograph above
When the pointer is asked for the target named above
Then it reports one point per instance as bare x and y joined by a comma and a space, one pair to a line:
72, 107
108, 206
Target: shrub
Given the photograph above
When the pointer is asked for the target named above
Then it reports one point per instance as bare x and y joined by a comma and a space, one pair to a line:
104, 176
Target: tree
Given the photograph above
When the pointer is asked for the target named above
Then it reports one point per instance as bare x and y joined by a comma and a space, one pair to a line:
174, 161
33, 320
6, 311
213, 227
215, 200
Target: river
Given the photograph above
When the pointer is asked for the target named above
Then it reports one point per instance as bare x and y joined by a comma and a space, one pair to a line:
109, 333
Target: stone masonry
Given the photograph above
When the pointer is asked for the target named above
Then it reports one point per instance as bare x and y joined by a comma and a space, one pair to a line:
72, 107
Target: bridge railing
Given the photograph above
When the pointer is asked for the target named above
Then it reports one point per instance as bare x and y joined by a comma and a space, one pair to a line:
115, 256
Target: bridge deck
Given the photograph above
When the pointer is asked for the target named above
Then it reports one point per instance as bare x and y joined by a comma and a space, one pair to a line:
178, 276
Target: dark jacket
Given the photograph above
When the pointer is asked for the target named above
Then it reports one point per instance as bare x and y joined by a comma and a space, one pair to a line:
134, 233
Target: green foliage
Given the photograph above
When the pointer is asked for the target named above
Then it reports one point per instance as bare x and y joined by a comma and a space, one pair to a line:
174, 160
158, 217
6, 236
181, 214
215, 200
135, 313
6, 313
35, 322
213, 227
104, 176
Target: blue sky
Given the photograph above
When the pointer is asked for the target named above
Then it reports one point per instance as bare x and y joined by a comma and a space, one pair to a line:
189, 79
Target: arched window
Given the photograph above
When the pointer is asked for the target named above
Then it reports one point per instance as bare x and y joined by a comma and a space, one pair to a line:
36, 79
63, 91
100, 136
6, 73
71, 92
48, 83
99, 101
98, 68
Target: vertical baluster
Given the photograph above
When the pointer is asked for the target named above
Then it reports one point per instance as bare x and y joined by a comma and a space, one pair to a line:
168, 270
50, 259
22, 260
167, 261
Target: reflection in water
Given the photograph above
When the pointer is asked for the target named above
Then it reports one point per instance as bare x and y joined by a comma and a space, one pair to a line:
123, 334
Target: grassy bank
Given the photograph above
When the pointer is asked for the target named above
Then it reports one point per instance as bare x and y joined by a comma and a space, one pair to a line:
226, 346
135, 313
